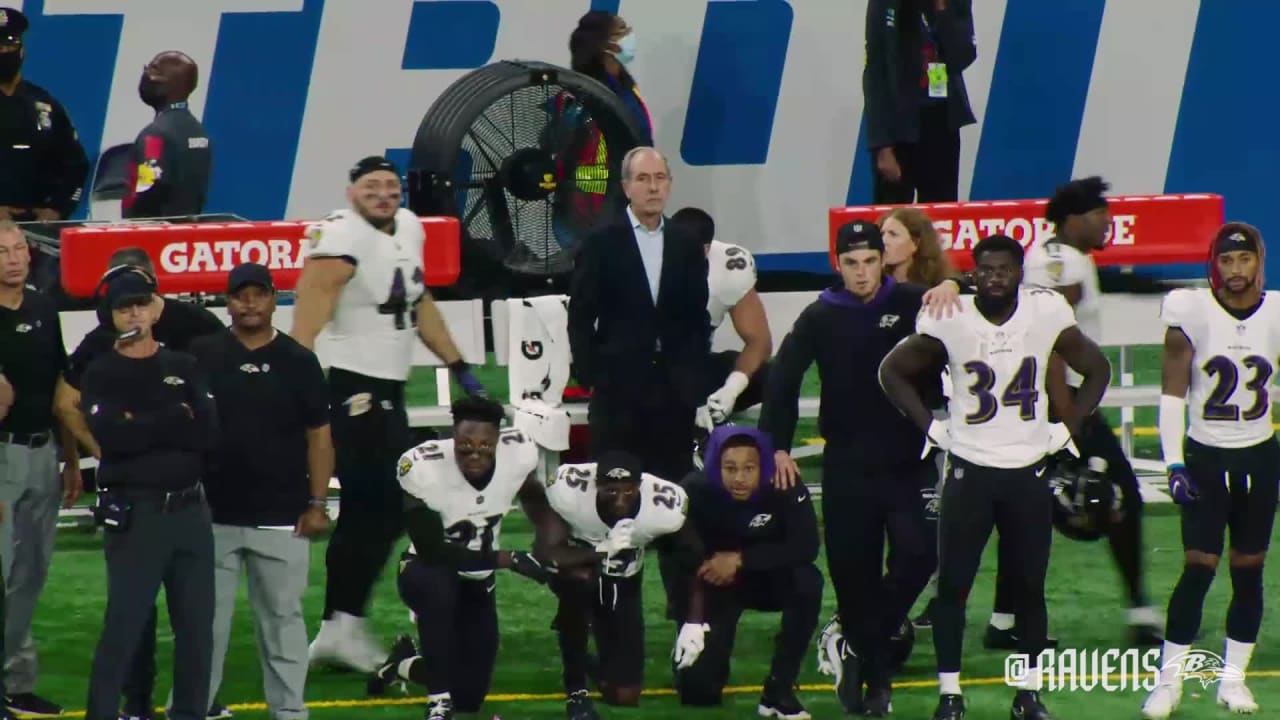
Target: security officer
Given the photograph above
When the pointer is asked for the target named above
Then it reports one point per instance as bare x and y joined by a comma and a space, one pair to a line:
33, 359
43, 167
169, 170
154, 418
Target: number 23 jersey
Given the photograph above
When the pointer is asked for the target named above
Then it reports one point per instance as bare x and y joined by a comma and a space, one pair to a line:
1232, 366
663, 509
373, 328
999, 410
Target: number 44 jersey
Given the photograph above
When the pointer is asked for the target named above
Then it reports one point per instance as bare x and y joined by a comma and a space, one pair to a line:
663, 509
373, 328
1232, 364
999, 410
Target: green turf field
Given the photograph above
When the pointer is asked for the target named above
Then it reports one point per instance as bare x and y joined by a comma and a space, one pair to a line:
1085, 605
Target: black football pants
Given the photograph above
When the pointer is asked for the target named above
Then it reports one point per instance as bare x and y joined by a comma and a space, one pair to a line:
370, 431
860, 509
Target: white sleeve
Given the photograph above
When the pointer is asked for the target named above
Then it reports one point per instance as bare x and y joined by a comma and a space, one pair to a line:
1054, 313
1174, 310
669, 519
926, 324
731, 274
330, 239
1057, 266
413, 476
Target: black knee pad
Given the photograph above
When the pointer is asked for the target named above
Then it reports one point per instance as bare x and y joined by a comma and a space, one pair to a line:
1187, 603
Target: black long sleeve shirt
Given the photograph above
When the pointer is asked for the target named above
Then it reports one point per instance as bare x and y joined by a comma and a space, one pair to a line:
135, 410
774, 529
42, 163
848, 339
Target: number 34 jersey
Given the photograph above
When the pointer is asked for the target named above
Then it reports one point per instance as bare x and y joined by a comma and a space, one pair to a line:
663, 509
1232, 366
999, 408
372, 332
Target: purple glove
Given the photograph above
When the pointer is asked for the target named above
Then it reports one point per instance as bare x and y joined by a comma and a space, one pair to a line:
470, 385
1181, 486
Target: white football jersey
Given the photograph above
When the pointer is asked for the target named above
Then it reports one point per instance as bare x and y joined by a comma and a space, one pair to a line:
663, 507
1058, 265
1232, 366
471, 517
373, 327
731, 274
999, 410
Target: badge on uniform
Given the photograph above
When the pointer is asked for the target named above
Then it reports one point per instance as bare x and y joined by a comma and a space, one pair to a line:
937, 73
313, 235
1054, 268
149, 173
45, 119
404, 467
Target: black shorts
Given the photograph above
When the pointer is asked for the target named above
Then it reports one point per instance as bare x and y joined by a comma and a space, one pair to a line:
1238, 490
616, 612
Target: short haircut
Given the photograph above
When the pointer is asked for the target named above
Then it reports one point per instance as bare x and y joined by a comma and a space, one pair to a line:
1076, 198
998, 243
477, 409
631, 156
7, 226
697, 223
132, 256
741, 440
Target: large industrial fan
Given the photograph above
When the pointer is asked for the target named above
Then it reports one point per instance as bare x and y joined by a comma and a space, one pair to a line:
528, 157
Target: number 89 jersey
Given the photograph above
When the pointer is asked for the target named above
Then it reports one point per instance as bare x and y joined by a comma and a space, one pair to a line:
373, 328
999, 408
663, 508
1232, 365
731, 274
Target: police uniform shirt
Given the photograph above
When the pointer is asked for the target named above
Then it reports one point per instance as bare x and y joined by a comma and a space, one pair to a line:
42, 163
268, 398
999, 411
471, 516
168, 172
1232, 366
731, 274
373, 331
772, 530
32, 356
663, 508
1055, 264
178, 325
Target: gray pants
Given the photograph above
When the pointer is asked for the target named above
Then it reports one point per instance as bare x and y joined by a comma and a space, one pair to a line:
169, 543
277, 564
31, 491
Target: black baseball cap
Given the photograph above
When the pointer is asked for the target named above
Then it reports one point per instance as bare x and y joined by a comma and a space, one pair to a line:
127, 289
618, 466
249, 274
858, 235
12, 25
373, 163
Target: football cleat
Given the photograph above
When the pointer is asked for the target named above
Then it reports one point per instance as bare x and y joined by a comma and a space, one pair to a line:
997, 639
878, 702
344, 642
1236, 697
950, 707
1027, 706
580, 707
441, 709
1162, 701
388, 673
781, 702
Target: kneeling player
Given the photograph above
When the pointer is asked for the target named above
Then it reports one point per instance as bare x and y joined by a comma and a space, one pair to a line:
606, 513
456, 493
1219, 352
761, 544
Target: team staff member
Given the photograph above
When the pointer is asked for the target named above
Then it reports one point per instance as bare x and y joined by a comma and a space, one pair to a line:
154, 418
639, 331
43, 166
169, 166
735, 379
998, 436
760, 546
32, 362
873, 473
363, 278
268, 482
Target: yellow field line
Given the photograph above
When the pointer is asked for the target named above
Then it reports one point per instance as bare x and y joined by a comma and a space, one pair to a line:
1144, 431
653, 692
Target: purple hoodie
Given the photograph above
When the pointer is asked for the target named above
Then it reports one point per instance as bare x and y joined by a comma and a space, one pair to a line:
716, 441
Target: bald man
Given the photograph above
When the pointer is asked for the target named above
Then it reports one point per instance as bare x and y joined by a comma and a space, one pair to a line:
169, 171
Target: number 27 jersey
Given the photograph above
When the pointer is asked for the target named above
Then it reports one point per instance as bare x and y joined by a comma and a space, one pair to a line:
1232, 366
373, 328
999, 410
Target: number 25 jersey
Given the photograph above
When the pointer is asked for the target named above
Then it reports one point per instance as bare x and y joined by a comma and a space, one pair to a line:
1232, 366
999, 410
372, 332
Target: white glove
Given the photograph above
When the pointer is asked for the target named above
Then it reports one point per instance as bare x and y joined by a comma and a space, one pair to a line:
938, 435
720, 403
702, 418
619, 538
690, 643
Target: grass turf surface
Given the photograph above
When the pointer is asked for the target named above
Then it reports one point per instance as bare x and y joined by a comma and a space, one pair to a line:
1086, 609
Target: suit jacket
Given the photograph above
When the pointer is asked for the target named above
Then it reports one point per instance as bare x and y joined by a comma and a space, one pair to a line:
614, 325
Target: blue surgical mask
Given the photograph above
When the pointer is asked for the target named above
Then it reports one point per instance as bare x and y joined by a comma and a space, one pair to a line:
626, 49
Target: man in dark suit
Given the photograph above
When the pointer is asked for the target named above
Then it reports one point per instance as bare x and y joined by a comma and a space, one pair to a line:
638, 325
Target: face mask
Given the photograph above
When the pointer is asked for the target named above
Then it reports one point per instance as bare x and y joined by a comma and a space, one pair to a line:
150, 92
626, 49
10, 64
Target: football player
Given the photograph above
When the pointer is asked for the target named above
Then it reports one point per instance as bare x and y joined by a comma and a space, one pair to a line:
997, 437
456, 493
736, 379
363, 278
1218, 364
606, 514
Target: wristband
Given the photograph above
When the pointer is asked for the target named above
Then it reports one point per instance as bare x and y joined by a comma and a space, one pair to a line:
318, 502
1172, 428
458, 367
